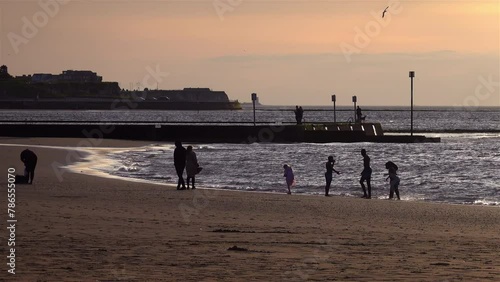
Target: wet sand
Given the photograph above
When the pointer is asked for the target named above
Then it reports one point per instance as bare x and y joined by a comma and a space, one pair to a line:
76, 227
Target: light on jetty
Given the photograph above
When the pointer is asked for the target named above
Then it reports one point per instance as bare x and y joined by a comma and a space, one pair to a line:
354, 100
412, 75
334, 100
254, 98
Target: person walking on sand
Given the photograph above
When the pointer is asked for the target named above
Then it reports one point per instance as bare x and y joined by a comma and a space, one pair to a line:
180, 164
329, 174
29, 159
394, 183
366, 175
289, 177
191, 166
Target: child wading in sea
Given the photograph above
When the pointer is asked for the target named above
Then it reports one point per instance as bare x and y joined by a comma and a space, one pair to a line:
289, 177
329, 174
394, 183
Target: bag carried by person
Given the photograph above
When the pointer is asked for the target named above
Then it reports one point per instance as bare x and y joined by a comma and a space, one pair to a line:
21, 179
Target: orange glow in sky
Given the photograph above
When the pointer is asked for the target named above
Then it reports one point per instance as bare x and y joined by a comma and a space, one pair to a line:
290, 52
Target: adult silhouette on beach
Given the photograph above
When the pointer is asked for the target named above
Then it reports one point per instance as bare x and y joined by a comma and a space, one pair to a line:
29, 159
191, 166
366, 175
329, 174
180, 164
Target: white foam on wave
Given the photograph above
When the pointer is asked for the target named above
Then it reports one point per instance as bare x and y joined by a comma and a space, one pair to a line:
486, 202
128, 168
94, 160
97, 163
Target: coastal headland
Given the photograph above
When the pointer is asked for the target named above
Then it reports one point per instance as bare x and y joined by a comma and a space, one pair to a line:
82, 227
85, 90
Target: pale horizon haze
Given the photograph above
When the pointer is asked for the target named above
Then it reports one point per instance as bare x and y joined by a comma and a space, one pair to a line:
288, 52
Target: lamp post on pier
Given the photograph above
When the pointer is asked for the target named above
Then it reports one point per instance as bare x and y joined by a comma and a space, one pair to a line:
412, 75
254, 98
334, 100
354, 100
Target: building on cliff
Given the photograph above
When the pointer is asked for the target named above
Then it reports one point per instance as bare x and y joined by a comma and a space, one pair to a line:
67, 76
187, 95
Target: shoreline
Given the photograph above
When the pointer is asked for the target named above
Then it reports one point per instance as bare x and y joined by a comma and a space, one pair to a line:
92, 228
93, 157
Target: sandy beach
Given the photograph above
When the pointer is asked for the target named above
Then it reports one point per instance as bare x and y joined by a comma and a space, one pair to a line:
76, 227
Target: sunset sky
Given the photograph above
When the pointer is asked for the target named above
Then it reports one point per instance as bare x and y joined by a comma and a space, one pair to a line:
288, 52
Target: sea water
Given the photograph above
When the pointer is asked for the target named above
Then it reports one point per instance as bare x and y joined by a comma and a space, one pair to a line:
462, 169
392, 118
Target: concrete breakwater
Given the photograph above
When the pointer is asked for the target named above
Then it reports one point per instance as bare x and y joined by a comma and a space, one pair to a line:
213, 133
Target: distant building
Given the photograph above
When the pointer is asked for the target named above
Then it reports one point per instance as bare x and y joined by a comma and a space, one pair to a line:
67, 76
79, 76
4, 73
43, 78
4, 69
189, 95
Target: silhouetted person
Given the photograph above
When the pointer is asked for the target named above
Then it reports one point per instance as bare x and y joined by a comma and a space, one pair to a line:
191, 166
289, 177
366, 175
29, 159
180, 164
394, 183
359, 115
329, 174
296, 111
299, 114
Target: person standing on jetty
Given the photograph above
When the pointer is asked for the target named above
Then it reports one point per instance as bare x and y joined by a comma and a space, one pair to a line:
394, 183
299, 114
29, 159
359, 115
289, 177
329, 174
366, 175
191, 166
180, 164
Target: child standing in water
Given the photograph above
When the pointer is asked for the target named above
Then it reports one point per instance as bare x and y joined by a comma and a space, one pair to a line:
289, 177
394, 183
329, 174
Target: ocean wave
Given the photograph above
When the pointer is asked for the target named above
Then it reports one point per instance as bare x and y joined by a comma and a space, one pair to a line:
129, 168
486, 202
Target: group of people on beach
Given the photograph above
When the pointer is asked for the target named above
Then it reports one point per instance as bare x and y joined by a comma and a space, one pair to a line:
366, 175
185, 159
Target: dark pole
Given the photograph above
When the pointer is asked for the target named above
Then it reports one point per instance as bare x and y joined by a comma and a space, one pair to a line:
412, 75
334, 99
354, 100
254, 98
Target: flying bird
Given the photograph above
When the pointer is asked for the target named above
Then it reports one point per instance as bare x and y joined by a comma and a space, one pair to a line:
383, 13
